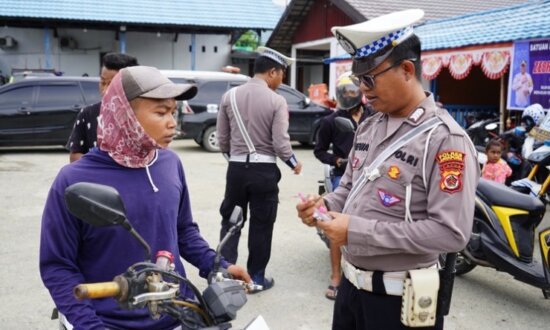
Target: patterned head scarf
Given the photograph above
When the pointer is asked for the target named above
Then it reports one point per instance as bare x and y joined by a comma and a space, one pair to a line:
119, 133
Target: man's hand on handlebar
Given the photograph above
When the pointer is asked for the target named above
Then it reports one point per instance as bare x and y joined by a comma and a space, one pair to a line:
341, 162
239, 273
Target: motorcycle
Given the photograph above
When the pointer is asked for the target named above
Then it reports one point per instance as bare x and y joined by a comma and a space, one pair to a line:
482, 130
535, 184
156, 286
503, 234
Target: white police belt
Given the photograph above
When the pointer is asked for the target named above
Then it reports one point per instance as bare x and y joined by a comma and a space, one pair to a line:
253, 158
362, 279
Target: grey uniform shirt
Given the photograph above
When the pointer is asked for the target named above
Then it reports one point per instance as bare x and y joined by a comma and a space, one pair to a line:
379, 237
265, 115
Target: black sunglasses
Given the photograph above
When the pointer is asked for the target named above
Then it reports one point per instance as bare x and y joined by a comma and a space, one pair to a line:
368, 79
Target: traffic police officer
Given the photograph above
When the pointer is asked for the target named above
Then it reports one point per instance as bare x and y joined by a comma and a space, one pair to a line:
252, 130
408, 191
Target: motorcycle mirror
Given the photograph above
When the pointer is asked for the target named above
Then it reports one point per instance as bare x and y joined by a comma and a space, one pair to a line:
344, 125
236, 218
95, 204
100, 206
491, 126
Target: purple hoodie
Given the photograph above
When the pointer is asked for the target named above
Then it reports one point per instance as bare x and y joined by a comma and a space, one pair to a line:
72, 252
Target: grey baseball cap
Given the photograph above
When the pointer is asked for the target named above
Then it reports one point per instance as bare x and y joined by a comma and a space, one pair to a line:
149, 82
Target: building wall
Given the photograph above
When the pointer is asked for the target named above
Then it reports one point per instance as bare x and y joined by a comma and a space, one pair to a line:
160, 51
322, 16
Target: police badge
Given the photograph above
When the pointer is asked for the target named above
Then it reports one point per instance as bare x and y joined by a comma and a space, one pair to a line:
348, 46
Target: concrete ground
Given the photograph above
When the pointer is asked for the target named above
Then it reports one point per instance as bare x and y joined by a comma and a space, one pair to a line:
483, 299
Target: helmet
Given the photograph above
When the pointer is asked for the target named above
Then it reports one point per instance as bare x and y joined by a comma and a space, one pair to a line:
534, 111
348, 94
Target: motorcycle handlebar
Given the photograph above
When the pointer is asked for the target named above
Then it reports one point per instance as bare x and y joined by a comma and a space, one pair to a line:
97, 290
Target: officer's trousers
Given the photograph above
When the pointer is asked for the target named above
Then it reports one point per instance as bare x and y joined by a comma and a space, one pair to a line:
360, 309
253, 185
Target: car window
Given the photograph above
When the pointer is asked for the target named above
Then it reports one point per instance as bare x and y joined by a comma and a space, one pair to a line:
17, 97
91, 92
210, 92
290, 96
59, 96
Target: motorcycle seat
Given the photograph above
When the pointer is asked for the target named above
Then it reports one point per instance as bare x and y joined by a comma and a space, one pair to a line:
501, 195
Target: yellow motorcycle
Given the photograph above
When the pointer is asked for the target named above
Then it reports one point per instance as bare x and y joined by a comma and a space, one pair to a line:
504, 229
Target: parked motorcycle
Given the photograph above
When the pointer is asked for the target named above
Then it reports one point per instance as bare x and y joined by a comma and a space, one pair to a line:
503, 235
536, 183
481, 131
156, 286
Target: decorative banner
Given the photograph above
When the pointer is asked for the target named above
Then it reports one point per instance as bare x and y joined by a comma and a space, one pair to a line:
431, 67
495, 64
530, 75
460, 65
493, 60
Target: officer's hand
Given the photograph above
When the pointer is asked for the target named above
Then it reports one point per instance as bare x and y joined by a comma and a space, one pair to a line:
336, 229
298, 168
305, 208
239, 273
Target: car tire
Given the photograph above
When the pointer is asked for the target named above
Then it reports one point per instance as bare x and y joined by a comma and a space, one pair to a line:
210, 140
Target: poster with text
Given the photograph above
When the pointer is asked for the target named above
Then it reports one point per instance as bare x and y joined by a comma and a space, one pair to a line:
530, 75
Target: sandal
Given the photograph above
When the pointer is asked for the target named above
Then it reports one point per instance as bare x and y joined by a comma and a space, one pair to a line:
332, 292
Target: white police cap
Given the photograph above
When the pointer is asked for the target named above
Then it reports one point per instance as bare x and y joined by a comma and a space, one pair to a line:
374, 37
275, 56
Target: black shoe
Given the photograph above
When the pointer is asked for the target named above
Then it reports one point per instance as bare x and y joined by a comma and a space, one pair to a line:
266, 283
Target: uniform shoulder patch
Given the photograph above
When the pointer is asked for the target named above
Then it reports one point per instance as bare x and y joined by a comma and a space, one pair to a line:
416, 115
451, 170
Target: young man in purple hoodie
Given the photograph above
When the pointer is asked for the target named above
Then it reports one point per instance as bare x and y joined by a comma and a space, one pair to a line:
136, 125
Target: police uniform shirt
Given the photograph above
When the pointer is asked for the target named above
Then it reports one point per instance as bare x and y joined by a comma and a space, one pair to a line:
379, 237
265, 115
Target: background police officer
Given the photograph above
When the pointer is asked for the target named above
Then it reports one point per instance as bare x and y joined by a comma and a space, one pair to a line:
252, 130
395, 211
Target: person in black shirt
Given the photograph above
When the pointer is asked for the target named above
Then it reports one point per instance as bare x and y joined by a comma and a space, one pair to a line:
349, 105
84, 134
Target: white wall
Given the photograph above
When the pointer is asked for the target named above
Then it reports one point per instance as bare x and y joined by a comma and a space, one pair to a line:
151, 50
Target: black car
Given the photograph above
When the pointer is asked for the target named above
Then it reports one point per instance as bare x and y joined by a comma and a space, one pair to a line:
201, 124
42, 111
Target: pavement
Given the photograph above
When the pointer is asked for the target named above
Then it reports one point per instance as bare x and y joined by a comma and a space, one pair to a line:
483, 298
